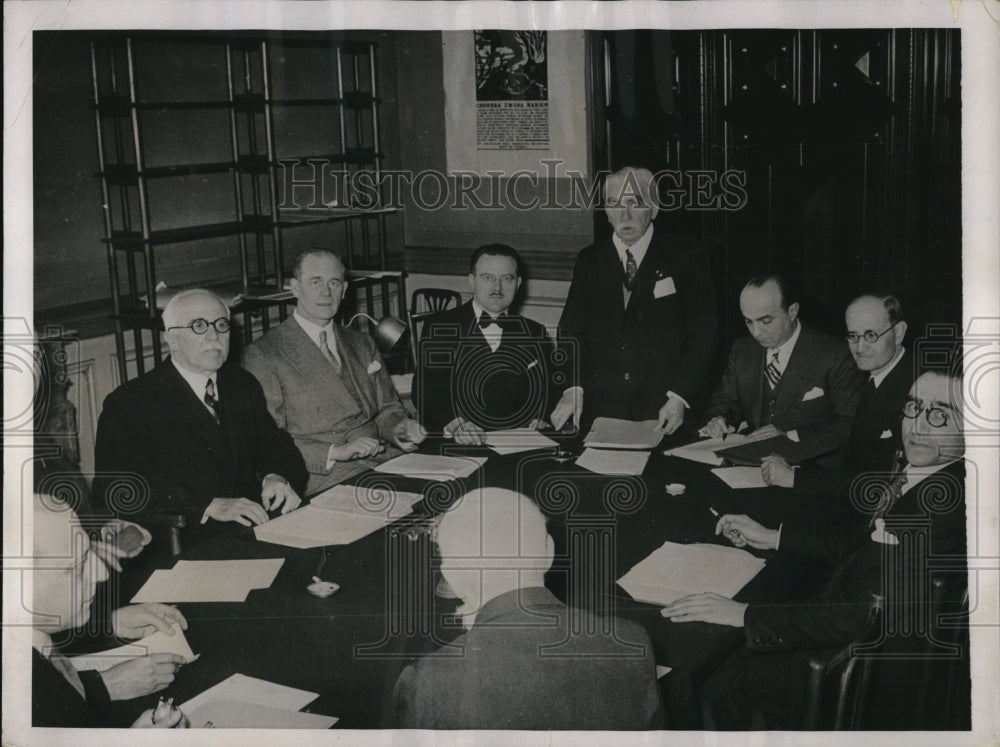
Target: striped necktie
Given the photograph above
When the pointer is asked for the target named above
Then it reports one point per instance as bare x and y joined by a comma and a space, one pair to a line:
631, 269
772, 371
330, 356
211, 400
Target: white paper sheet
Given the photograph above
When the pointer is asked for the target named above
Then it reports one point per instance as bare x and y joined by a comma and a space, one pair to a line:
156, 643
220, 713
431, 467
613, 462
612, 433
741, 477
317, 527
704, 450
356, 499
673, 571
246, 689
209, 580
517, 440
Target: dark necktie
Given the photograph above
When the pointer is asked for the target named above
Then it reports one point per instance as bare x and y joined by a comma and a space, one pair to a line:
772, 371
211, 401
631, 269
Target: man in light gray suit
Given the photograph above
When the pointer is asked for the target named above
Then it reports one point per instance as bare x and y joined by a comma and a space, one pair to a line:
327, 385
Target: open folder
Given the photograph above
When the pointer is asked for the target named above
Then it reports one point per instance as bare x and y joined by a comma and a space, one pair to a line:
612, 433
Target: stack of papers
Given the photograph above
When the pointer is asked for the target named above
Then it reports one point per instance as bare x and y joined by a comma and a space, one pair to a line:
209, 580
251, 703
341, 515
156, 643
741, 477
673, 571
613, 462
518, 439
611, 433
704, 451
431, 467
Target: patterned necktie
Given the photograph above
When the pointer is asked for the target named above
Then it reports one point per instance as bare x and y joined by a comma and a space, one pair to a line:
631, 269
772, 371
893, 490
211, 401
324, 348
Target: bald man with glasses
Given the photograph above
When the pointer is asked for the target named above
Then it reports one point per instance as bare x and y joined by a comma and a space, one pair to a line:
196, 433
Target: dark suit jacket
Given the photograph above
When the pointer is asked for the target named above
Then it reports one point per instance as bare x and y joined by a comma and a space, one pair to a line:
56, 703
874, 439
820, 365
525, 670
629, 358
156, 427
314, 404
458, 374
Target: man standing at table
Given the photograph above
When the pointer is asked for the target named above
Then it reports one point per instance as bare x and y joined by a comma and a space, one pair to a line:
196, 432
65, 578
875, 332
640, 314
789, 379
480, 366
327, 385
919, 518
523, 663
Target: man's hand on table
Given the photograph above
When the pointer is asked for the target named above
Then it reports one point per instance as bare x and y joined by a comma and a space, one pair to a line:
408, 434
766, 431
140, 620
776, 471
277, 493
359, 448
142, 676
741, 530
465, 432
173, 720
570, 405
716, 428
241, 510
706, 607
671, 416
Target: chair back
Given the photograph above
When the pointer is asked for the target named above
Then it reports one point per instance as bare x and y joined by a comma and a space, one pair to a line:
425, 303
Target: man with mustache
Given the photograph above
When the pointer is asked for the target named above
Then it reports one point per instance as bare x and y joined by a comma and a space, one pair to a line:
196, 432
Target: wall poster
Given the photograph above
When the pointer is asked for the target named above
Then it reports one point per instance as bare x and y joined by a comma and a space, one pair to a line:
512, 92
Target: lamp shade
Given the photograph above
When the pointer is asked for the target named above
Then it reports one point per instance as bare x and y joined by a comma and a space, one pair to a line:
387, 332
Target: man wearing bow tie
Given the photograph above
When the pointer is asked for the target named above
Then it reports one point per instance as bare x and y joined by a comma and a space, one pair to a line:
481, 367
786, 379
641, 315
196, 432
326, 384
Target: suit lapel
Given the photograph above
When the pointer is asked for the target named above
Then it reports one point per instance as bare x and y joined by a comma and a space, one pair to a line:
797, 370
184, 406
355, 366
303, 354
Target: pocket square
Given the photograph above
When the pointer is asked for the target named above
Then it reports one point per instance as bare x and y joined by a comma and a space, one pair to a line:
374, 367
883, 537
886, 434
814, 393
664, 287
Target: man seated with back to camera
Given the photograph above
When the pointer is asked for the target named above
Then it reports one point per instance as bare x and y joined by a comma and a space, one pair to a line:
786, 378
917, 518
482, 367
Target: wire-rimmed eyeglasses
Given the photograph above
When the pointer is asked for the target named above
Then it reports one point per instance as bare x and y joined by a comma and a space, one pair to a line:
200, 326
869, 336
937, 417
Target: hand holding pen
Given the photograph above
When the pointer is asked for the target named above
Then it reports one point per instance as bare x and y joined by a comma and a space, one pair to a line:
742, 531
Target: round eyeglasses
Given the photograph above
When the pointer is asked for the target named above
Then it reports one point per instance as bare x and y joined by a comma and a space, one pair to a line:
869, 336
937, 417
200, 326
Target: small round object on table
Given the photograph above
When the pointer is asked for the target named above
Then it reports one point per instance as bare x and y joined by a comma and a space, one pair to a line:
675, 488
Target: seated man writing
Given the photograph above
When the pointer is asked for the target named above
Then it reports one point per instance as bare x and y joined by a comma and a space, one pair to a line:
919, 516
521, 664
789, 379
481, 367
196, 433
327, 385
65, 578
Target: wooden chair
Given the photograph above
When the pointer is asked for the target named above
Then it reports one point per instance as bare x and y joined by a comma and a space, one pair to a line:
425, 303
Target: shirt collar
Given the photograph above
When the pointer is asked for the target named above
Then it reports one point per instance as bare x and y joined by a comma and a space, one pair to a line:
638, 249
915, 475
785, 349
878, 377
42, 642
312, 329
197, 380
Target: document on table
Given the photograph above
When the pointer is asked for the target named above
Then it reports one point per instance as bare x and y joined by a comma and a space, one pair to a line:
364, 501
431, 467
218, 704
605, 462
704, 450
156, 643
518, 439
612, 433
673, 571
209, 580
740, 477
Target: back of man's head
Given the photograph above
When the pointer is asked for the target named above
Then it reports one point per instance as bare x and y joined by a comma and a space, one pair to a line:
491, 542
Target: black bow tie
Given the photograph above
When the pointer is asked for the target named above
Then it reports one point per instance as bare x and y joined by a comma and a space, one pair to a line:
485, 320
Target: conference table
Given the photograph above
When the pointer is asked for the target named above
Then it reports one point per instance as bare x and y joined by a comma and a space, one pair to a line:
350, 647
